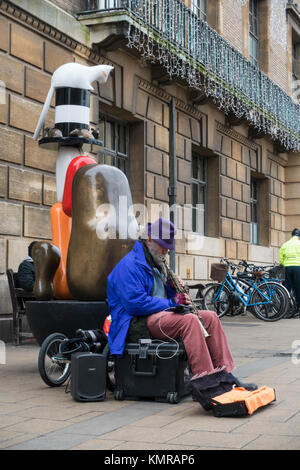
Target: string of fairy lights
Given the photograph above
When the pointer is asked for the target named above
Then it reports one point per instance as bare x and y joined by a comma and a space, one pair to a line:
168, 33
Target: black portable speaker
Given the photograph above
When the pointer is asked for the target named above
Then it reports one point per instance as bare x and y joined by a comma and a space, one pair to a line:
88, 379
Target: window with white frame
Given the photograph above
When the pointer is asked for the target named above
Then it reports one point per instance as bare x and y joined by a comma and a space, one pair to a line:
254, 31
199, 7
115, 137
254, 212
199, 185
295, 71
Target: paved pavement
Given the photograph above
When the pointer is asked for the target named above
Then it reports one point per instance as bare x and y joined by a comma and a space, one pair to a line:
34, 416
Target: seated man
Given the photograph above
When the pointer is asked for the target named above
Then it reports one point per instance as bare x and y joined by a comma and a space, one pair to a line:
26, 271
138, 286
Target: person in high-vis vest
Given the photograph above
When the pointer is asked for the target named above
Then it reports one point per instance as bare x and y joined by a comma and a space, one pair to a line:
289, 257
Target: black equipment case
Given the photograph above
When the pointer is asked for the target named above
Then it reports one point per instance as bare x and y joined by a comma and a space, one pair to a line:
152, 369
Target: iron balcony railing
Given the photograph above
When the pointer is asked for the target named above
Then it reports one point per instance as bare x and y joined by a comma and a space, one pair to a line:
168, 32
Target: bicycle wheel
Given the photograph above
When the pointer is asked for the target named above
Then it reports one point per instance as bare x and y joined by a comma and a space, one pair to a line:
292, 311
270, 301
53, 370
286, 299
110, 371
217, 300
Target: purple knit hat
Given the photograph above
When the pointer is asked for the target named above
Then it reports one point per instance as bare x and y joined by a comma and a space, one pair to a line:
162, 232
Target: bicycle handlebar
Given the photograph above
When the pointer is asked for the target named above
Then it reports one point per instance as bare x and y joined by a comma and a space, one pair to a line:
248, 267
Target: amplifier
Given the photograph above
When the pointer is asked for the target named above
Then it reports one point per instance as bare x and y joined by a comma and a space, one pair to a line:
88, 376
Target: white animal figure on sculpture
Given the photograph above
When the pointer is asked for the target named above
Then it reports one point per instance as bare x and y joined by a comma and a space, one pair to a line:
72, 75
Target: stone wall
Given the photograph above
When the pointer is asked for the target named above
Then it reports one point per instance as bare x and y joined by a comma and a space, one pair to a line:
30, 52
233, 25
28, 57
27, 174
279, 65
70, 6
238, 158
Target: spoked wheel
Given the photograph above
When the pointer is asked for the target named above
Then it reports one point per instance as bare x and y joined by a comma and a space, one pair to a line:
53, 370
293, 308
110, 371
271, 301
217, 300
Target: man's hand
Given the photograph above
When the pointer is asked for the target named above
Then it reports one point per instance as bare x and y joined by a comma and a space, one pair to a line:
180, 281
182, 299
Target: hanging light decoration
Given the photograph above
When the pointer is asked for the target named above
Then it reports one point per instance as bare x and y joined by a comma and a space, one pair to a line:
168, 33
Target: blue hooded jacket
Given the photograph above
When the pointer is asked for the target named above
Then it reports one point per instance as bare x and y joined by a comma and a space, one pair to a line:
128, 292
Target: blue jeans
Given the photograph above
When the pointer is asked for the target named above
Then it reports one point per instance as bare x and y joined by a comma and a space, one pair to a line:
292, 281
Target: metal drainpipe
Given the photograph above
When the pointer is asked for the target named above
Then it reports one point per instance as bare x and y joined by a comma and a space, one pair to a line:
172, 190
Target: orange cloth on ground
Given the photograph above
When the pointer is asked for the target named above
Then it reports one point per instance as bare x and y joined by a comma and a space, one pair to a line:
253, 400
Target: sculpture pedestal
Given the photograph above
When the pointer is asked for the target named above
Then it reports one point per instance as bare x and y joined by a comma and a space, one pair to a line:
64, 316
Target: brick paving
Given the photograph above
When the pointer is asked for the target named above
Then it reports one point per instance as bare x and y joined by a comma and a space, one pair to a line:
34, 416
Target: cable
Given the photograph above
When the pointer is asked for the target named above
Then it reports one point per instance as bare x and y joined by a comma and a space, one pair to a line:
67, 387
166, 342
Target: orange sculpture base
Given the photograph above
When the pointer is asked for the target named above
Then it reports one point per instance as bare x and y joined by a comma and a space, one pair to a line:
61, 231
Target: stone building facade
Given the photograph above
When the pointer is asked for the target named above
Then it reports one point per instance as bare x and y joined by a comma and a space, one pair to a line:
37, 37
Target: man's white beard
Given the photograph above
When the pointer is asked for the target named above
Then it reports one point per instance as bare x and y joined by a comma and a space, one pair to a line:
158, 258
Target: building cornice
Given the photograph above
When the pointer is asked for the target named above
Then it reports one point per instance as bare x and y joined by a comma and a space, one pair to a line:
229, 132
15, 12
154, 90
293, 9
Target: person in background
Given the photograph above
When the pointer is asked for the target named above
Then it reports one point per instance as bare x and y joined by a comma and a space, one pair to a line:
26, 271
289, 257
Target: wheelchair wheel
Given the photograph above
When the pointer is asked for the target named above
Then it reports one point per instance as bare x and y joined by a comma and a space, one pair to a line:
53, 370
110, 373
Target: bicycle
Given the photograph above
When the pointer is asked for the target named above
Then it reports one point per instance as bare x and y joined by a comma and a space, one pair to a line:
54, 360
199, 297
266, 299
276, 272
272, 273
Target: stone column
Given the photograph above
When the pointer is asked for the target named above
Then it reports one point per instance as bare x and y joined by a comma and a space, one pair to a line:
215, 15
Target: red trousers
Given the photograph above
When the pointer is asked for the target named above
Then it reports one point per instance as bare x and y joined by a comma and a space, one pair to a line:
205, 355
